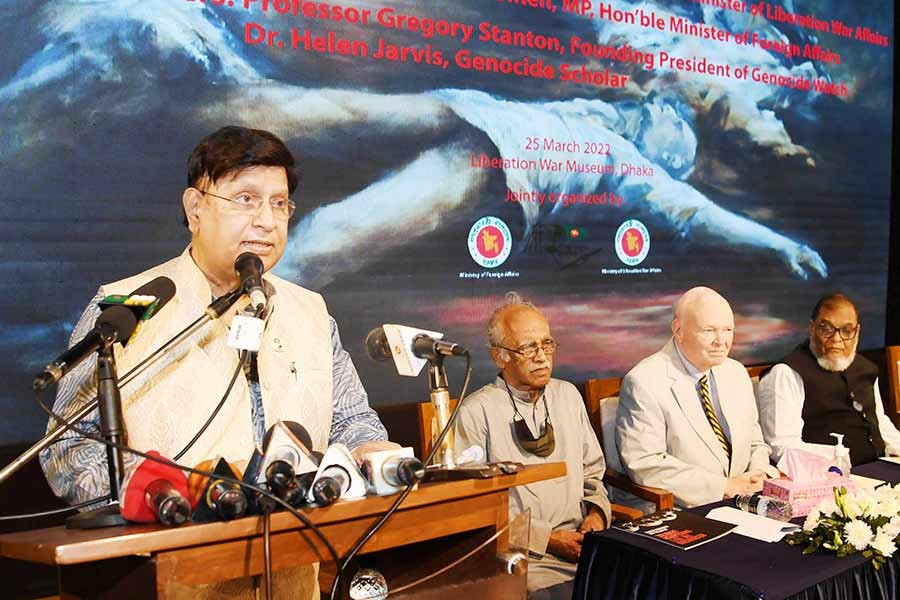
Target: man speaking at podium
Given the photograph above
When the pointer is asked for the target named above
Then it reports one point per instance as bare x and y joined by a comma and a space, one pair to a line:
237, 200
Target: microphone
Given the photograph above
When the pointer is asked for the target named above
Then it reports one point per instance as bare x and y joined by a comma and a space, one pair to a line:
295, 492
425, 346
155, 492
409, 347
286, 454
339, 464
249, 269
114, 324
144, 301
288, 469
216, 499
388, 471
258, 504
324, 490
117, 322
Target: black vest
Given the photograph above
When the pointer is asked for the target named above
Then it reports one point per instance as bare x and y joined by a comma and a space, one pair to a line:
828, 404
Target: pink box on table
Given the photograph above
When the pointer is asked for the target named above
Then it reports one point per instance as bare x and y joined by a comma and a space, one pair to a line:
805, 496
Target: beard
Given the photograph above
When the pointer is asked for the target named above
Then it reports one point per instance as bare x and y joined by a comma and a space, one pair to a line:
839, 364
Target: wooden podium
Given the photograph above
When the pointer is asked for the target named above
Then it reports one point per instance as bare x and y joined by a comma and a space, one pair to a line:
145, 561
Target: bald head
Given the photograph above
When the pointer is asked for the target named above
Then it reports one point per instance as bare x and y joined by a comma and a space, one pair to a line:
695, 299
703, 327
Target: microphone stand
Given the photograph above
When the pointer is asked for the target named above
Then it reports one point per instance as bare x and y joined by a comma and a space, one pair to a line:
440, 399
213, 311
112, 428
445, 467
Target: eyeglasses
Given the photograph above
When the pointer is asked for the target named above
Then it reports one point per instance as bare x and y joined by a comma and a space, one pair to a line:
827, 330
529, 351
250, 204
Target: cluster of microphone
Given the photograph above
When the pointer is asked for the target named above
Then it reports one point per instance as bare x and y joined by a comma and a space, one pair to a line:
158, 491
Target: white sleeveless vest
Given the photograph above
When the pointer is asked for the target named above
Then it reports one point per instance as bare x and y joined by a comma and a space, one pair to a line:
165, 406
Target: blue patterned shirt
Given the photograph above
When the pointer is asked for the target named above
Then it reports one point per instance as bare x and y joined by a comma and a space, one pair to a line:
76, 467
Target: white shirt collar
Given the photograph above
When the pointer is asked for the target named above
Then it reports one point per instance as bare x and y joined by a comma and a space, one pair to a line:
692, 371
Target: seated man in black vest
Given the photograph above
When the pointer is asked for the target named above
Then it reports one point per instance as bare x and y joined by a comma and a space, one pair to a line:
824, 387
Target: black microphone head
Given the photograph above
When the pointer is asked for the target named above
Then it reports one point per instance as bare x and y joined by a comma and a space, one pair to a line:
163, 498
279, 476
326, 490
231, 504
300, 488
162, 288
409, 470
174, 510
247, 264
377, 346
296, 493
120, 318
265, 504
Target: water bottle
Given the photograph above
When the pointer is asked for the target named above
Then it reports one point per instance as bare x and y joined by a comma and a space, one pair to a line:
765, 506
841, 455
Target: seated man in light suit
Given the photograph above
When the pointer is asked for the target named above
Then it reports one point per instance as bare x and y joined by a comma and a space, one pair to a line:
525, 416
824, 386
687, 418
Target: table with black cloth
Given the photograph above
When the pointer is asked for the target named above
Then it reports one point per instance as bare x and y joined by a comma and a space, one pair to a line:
617, 565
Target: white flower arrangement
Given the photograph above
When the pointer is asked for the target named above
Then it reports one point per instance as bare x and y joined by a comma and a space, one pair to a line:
866, 521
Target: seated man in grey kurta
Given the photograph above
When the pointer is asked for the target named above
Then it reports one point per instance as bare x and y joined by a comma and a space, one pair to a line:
525, 416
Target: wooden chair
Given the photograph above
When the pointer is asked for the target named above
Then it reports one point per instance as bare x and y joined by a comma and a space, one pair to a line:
426, 425
426, 431
602, 399
756, 370
892, 366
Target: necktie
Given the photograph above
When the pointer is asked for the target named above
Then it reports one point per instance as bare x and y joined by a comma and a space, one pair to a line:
711, 415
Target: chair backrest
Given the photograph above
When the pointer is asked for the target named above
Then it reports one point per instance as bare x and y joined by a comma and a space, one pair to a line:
754, 373
892, 367
427, 424
756, 370
602, 399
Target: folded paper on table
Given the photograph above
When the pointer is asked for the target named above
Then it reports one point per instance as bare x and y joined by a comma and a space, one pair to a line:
751, 525
866, 483
808, 481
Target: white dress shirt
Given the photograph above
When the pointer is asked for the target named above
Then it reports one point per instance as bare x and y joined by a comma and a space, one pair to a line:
696, 374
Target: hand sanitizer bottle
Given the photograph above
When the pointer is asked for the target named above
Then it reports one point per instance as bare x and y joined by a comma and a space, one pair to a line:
841, 455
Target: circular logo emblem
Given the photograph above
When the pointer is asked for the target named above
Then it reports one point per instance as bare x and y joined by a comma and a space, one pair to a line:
632, 242
490, 242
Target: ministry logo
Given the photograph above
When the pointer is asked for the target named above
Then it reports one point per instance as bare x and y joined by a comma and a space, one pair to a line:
490, 242
632, 242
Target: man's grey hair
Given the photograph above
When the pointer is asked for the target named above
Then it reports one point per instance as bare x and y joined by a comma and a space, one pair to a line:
495, 323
